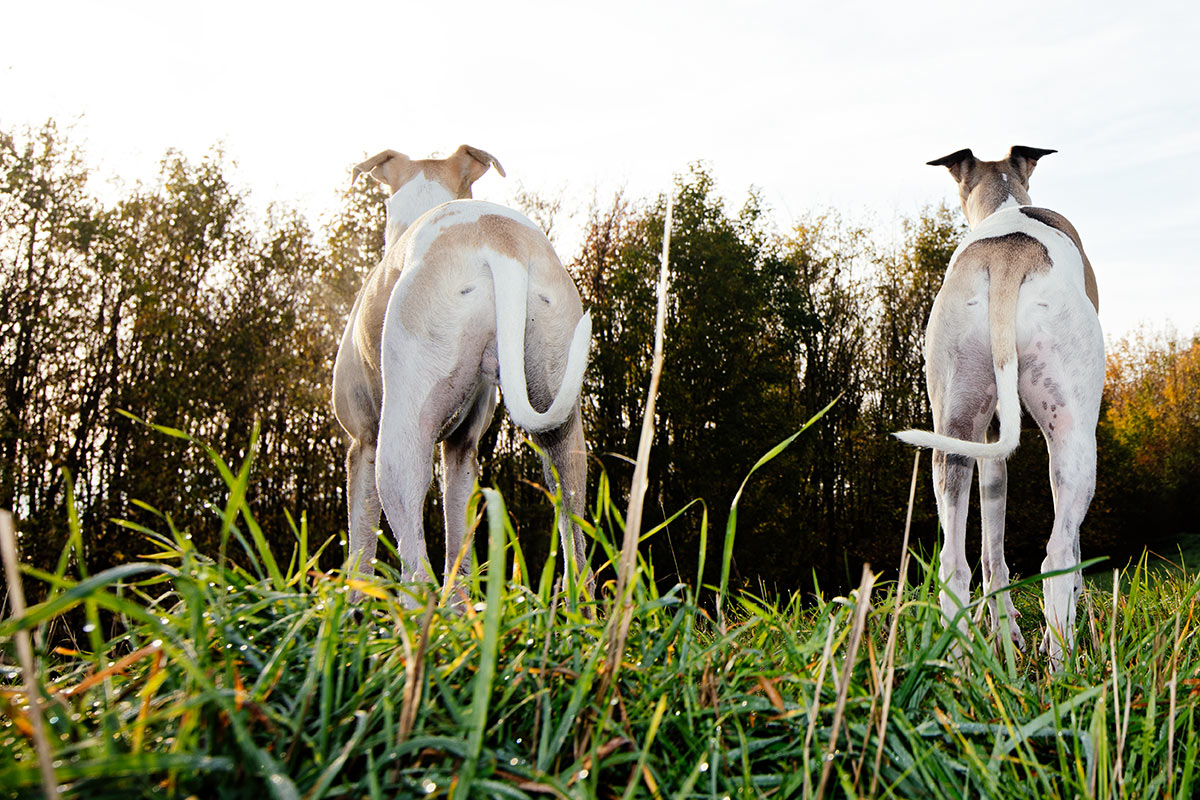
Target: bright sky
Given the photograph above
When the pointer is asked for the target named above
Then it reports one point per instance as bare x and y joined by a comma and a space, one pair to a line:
831, 104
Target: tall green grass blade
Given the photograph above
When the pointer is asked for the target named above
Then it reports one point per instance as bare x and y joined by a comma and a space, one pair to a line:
483, 682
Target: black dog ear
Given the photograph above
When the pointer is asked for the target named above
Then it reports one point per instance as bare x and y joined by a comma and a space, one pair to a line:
1024, 159
959, 163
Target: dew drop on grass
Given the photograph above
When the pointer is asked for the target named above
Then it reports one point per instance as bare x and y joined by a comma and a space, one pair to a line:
429, 786
704, 766
89, 628
512, 762
582, 774
480, 606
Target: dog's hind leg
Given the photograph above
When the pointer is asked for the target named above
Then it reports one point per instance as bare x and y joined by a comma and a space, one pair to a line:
566, 453
993, 492
952, 484
1067, 414
460, 470
403, 470
962, 391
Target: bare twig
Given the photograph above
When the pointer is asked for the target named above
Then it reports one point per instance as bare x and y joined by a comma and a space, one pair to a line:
16, 597
861, 607
890, 653
619, 627
414, 671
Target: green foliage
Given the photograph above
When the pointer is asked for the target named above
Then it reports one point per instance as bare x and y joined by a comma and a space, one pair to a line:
175, 305
762, 331
214, 680
1150, 435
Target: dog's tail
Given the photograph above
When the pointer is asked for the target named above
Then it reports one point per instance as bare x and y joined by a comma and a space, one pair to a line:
1002, 318
511, 282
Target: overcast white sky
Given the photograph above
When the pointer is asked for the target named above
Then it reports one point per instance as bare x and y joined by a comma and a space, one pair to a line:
831, 104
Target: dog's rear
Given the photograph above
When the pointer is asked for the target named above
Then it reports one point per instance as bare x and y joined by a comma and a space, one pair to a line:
1015, 322
482, 300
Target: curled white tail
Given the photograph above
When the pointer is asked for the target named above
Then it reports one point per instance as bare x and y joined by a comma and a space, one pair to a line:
511, 285
1008, 409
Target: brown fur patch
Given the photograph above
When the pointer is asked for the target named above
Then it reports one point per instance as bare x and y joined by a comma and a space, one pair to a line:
1059, 222
1008, 260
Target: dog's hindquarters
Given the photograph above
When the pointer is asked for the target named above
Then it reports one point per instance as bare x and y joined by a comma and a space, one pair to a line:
481, 301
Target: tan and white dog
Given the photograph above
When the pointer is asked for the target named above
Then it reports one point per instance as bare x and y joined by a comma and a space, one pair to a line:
468, 296
1014, 322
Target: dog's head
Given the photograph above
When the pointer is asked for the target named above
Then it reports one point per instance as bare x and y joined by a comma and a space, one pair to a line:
418, 186
985, 186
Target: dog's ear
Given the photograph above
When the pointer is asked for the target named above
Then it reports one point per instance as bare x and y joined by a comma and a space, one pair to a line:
470, 163
960, 163
1024, 159
386, 167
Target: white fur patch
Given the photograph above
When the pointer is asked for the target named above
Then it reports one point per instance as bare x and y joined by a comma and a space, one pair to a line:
410, 201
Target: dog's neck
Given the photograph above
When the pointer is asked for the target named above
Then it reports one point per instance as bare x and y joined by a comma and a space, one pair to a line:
990, 187
412, 200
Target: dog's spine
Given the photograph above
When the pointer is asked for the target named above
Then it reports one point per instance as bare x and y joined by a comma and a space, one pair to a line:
511, 286
1003, 288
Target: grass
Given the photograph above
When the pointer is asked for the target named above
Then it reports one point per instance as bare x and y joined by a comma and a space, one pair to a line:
194, 677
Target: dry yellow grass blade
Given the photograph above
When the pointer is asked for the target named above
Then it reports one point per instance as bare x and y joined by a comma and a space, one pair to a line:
16, 599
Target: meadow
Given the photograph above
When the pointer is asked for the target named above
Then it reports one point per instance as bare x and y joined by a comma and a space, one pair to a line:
191, 633
246, 672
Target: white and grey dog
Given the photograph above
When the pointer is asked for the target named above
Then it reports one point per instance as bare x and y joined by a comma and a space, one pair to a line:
468, 296
1014, 322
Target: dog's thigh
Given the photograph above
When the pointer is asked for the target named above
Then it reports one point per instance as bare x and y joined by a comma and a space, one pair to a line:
409, 425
